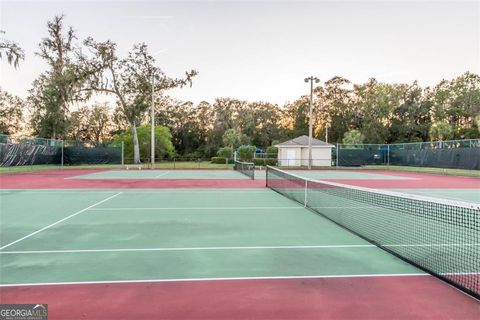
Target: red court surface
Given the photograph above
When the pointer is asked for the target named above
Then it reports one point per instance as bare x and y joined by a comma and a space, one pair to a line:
417, 181
61, 179
408, 297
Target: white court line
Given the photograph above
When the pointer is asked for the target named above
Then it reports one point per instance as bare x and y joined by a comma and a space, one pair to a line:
347, 207
162, 174
194, 208
234, 248
129, 191
379, 275
94, 174
192, 249
447, 191
59, 221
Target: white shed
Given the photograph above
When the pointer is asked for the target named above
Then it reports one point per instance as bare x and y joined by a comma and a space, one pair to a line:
294, 153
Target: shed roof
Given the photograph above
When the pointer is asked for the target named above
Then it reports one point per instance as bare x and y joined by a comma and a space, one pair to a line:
302, 141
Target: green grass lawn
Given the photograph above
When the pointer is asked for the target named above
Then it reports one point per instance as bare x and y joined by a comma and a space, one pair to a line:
160, 165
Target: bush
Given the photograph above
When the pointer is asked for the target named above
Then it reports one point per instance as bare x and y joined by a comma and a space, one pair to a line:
192, 155
163, 142
219, 160
265, 162
245, 153
272, 150
441, 131
467, 133
225, 152
353, 137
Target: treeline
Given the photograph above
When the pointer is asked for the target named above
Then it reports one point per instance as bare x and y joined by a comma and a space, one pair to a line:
60, 105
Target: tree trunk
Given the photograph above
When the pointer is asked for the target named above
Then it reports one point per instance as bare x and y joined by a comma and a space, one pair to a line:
136, 148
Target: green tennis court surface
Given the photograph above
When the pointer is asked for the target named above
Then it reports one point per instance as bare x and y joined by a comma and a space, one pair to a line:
111, 235
163, 174
230, 174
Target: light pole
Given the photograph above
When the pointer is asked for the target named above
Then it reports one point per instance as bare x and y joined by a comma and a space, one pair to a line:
326, 128
310, 119
152, 116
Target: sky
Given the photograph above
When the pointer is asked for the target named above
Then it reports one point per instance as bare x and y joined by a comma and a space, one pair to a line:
262, 50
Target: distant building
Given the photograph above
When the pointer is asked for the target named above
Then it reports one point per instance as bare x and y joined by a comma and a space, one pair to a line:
294, 153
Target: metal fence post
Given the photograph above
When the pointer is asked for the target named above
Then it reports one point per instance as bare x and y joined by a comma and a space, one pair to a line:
388, 154
337, 155
61, 161
123, 156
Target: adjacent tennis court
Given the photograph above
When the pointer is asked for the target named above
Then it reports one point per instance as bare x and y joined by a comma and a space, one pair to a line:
211, 253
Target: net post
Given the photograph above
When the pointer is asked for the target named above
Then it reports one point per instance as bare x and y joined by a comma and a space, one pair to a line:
305, 191
266, 177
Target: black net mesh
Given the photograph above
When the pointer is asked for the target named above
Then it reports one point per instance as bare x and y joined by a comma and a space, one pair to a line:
22, 151
456, 158
439, 236
362, 154
77, 152
455, 154
247, 168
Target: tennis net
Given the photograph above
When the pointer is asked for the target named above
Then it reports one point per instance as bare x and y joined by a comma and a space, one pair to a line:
439, 236
247, 168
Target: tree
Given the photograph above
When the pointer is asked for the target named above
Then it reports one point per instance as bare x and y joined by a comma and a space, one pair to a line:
99, 121
11, 50
371, 107
225, 152
79, 124
129, 79
245, 153
477, 121
441, 131
272, 150
203, 114
184, 123
336, 108
231, 138
457, 102
353, 137
54, 90
163, 142
89, 123
296, 117
267, 123
11, 113
410, 118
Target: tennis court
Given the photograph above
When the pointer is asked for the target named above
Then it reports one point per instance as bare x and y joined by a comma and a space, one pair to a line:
163, 174
205, 253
